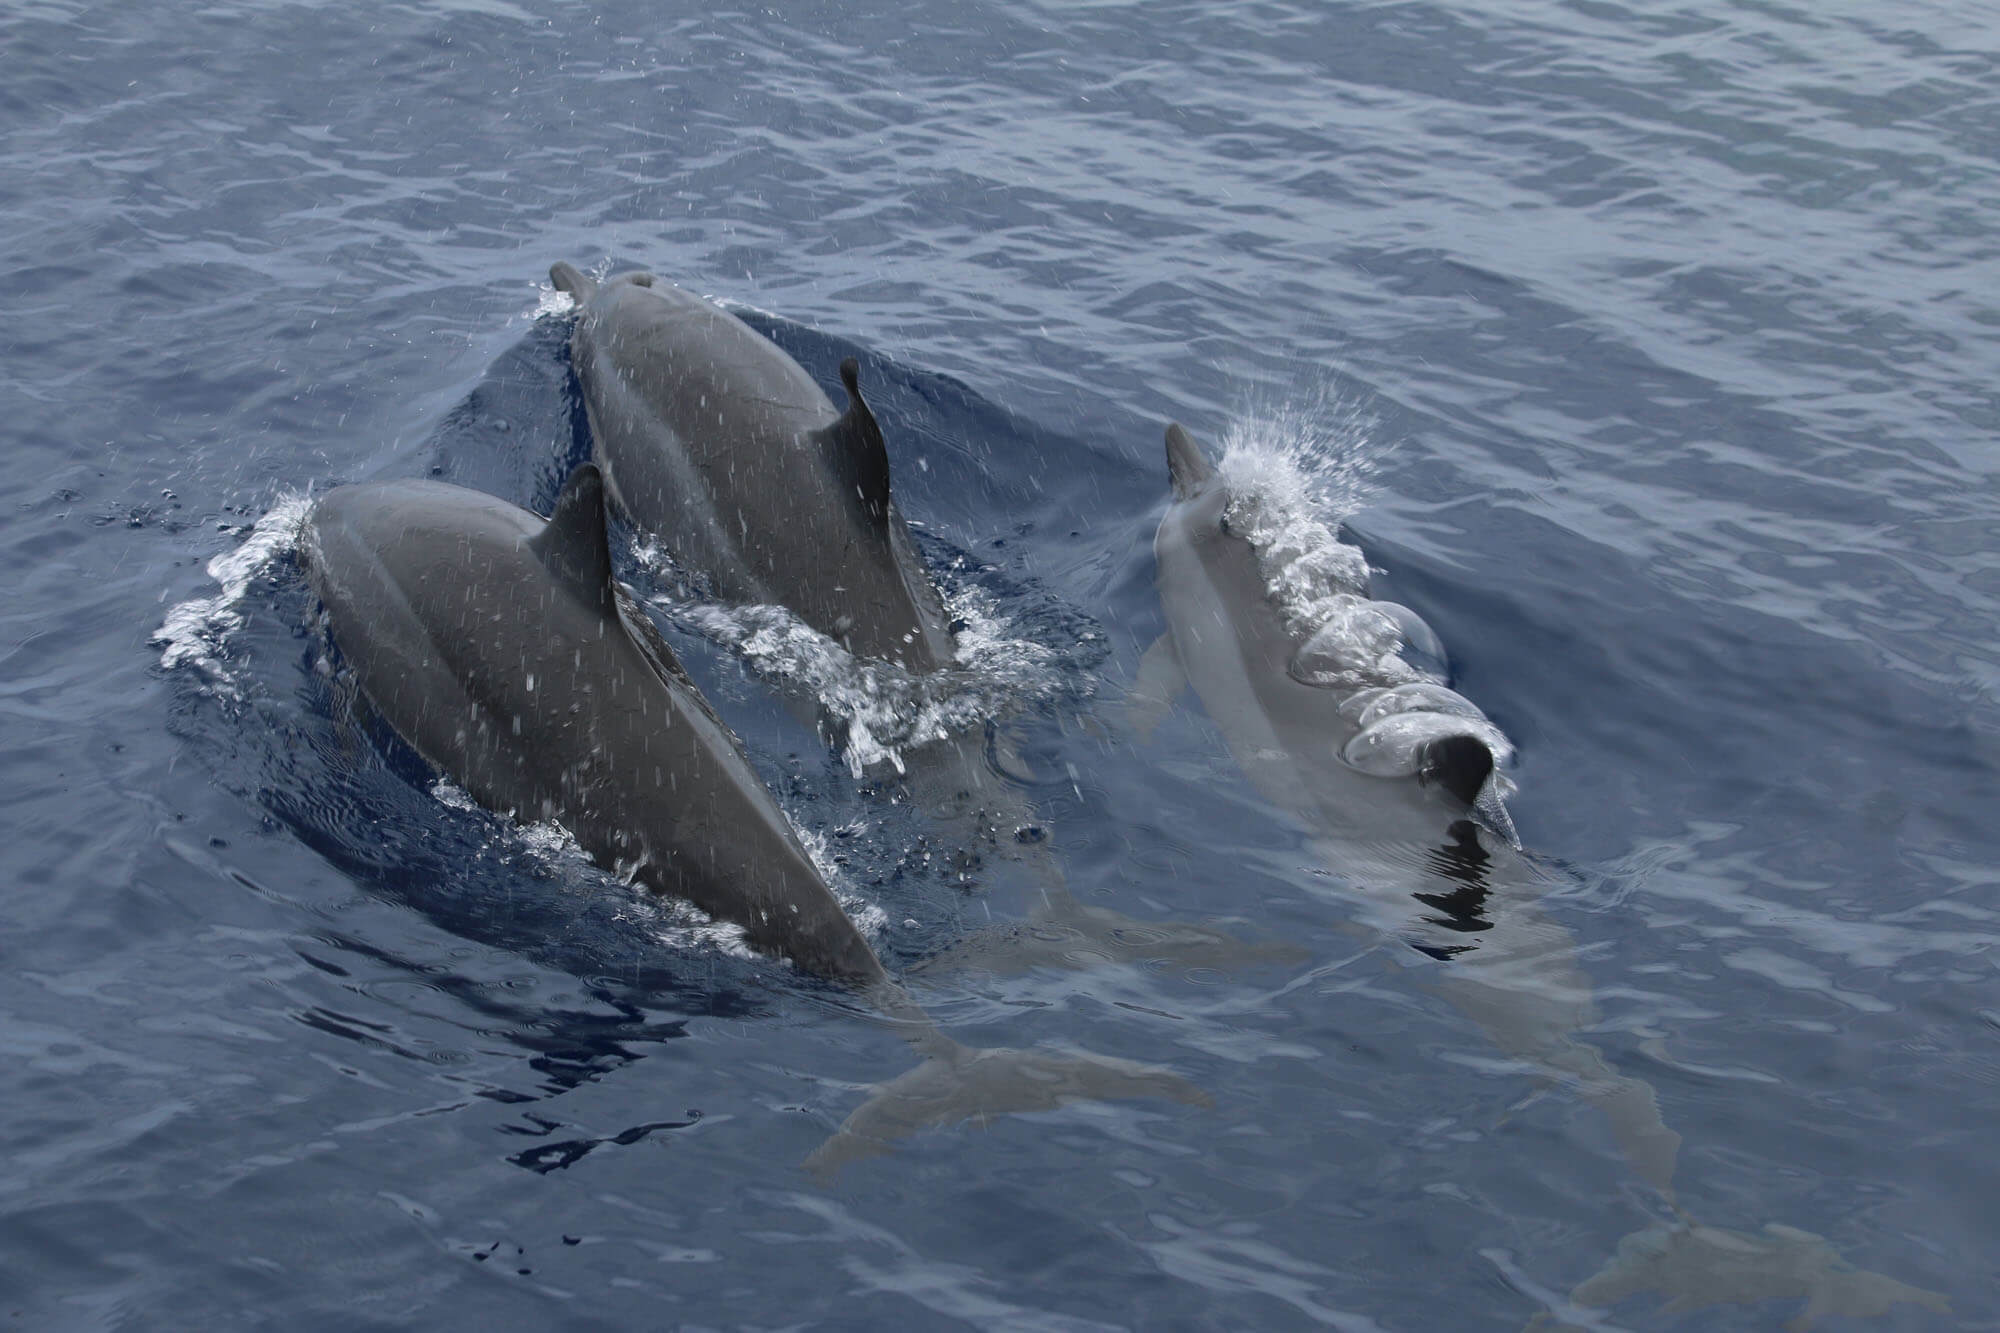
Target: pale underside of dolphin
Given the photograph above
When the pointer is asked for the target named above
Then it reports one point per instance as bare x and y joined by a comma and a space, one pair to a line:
720, 446
1421, 870
500, 647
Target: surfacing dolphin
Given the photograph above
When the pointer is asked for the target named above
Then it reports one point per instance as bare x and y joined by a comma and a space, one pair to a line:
716, 443
719, 445
1316, 726
503, 650
1336, 700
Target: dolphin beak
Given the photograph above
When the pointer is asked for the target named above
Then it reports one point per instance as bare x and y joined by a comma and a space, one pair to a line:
1185, 465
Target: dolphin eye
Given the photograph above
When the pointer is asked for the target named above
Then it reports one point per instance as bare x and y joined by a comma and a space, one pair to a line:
1222, 525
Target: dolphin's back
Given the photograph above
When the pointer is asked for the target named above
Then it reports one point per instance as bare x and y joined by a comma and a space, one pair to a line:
712, 363
722, 447
469, 630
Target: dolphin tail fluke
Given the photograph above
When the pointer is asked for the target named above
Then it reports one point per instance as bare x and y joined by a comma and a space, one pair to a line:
965, 1084
569, 278
855, 450
1185, 464
1692, 1267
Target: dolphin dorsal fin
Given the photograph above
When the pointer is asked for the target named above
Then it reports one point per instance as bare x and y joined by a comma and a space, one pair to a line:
1185, 465
854, 447
568, 278
573, 546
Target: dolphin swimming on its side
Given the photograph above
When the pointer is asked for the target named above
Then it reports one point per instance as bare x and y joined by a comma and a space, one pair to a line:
1315, 736
1268, 683
718, 444
503, 650
1420, 866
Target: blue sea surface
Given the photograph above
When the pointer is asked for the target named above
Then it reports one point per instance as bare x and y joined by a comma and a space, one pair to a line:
1668, 338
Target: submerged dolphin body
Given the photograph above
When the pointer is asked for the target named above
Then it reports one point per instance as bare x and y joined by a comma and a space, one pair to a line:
501, 648
718, 444
1420, 869
1420, 865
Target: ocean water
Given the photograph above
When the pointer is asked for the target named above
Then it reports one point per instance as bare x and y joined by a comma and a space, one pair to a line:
1647, 353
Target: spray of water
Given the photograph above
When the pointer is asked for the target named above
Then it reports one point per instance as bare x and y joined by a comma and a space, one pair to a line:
1294, 473
878, 709
195, 632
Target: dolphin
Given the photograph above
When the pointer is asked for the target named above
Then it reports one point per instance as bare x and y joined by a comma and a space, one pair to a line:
501, 648
1315, 715
1423, 868
1316, 725
716, 443
720, 446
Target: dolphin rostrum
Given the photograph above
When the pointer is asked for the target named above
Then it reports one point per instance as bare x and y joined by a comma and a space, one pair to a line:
503, 650
720, 446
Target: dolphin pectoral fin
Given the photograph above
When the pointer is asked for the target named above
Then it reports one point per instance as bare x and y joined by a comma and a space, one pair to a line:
1692, 1267
965, 1084
568, 278
573, 546
854, 448
1160, 681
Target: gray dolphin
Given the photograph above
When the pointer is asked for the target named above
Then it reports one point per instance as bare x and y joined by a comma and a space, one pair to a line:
718, 444
501, 648
721, 446
1420, 868
1405, 848
1231, 642
498, 647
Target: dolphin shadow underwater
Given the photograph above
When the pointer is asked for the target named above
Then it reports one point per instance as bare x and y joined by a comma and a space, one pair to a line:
502, 650
717, 444
1394, 778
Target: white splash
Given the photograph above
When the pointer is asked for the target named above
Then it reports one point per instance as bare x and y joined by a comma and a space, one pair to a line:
674, 922
880, 708
1293, 475
550, 302
194, 632
546, 842
868, 918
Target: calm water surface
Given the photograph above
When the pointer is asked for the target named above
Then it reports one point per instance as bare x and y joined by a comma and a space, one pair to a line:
1669, 337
